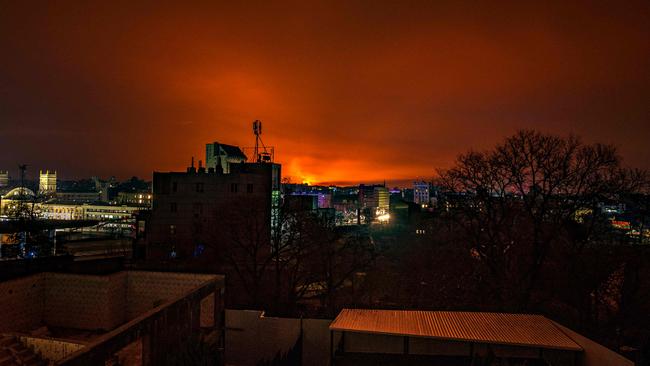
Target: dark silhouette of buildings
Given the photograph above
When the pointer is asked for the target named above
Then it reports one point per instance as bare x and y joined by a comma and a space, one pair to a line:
196, 213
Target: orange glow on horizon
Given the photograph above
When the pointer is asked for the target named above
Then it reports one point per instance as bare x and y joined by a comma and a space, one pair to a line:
347, 92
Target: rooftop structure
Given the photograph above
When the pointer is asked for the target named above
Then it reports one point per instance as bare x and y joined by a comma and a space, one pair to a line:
439, 337
222, 155
74, 319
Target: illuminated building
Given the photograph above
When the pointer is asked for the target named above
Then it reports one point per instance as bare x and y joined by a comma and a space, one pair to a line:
47, 182
223, 155
375, 200
111, 217
4, 178
202, 207
374, 197
135, 198
421, 193
14, 198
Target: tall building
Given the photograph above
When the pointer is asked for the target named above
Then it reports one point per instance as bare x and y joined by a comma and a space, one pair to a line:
47, 182
223, 155
204, 209
374, 197
4, 178
421, 192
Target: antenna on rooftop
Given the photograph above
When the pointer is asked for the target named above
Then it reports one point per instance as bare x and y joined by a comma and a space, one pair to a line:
260, 157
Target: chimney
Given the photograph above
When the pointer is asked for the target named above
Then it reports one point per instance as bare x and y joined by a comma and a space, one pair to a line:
191, 169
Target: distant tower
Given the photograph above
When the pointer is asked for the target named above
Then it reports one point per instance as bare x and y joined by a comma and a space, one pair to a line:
47, 182
4, 178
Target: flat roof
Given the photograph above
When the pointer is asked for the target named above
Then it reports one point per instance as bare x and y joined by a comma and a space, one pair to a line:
497, 328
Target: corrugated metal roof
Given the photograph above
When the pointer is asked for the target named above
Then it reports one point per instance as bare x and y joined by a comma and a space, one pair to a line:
499, 328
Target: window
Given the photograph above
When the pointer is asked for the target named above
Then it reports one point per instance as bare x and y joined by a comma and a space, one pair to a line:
173, 207
198, 207
199, 187
174, 187
249, 188
233, 187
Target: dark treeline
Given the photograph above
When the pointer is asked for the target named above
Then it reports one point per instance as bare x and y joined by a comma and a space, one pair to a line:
518, 230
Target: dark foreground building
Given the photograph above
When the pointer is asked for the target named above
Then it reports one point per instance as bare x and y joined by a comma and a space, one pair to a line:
198, 212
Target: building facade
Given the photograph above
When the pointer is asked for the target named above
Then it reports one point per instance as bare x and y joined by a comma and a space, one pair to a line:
47, 182
4, 178
421, 193
78, 197
200, 209
144, 199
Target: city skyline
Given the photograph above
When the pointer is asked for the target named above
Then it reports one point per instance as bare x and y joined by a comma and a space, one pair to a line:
348, 92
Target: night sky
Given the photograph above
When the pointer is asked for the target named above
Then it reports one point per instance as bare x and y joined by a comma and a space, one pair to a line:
348, 91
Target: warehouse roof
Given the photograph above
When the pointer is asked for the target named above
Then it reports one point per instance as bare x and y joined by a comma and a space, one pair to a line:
498, 328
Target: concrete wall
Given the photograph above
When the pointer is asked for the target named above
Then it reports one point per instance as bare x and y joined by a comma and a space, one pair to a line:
21, 303
93, 302
146, 290
250, 330
163, 332
316, 342
85, 301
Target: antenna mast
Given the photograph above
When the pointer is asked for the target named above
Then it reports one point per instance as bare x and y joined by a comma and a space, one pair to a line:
263, 156
257, 130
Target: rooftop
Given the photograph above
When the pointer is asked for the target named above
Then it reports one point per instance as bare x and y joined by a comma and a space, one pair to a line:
496, 328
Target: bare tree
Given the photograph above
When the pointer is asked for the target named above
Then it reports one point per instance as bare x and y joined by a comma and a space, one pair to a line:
516, 201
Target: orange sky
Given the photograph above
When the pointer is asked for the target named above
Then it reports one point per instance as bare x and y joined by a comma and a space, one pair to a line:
348, 91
